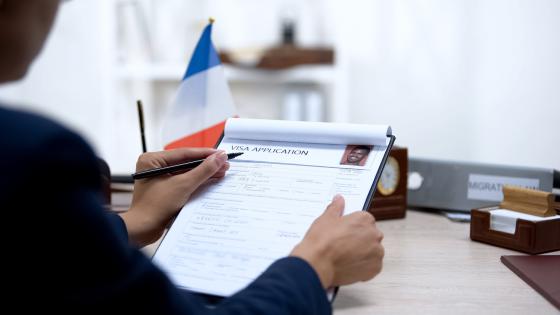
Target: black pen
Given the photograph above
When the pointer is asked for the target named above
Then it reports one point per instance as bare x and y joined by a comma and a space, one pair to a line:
175, 168
141, 124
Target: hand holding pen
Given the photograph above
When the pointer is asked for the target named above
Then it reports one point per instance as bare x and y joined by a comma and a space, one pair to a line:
157, 200
176, 167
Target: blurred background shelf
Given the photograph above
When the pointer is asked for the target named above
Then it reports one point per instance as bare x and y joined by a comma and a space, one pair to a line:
305, 74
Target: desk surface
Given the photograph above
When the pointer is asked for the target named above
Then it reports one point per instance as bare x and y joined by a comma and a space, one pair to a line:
432, 267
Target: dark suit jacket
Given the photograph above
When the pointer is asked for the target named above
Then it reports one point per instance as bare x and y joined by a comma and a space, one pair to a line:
63, 253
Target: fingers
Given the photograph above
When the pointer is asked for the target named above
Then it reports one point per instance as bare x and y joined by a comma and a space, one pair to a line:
363, 267
375, 265
222, 171
379, 236
336, 207
209, 168
184, 154
362, 217
170, 157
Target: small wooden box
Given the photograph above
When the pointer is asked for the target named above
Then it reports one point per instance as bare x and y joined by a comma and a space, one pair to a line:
529, 237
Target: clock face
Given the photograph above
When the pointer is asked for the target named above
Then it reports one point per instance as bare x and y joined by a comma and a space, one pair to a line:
390, 177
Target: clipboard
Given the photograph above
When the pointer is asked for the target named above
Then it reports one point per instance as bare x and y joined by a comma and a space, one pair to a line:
373, 188
387, 145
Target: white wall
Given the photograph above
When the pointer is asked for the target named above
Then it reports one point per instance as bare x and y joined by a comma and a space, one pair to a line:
409, 66
464, 80
517, 82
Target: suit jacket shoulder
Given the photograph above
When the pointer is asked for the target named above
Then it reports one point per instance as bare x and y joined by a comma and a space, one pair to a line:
35, 146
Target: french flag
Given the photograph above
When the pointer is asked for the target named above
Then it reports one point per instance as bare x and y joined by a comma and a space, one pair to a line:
203, 102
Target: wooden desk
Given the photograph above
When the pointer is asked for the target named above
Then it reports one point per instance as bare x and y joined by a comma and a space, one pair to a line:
432, 267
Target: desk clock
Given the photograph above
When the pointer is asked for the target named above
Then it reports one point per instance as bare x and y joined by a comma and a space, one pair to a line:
389, 201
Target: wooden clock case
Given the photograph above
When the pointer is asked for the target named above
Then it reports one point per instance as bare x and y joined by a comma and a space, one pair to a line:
393, 206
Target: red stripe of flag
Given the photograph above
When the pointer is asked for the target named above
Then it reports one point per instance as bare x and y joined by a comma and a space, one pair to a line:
206, 138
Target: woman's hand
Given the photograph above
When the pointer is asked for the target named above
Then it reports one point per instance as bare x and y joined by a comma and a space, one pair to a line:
342, 249
156, 200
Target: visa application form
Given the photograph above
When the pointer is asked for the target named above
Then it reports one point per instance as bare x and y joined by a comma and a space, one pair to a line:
233, 228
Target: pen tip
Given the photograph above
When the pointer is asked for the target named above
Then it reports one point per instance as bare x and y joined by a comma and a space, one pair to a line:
234, 155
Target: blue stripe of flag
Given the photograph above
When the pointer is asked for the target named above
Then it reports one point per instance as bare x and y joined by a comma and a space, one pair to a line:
204, 56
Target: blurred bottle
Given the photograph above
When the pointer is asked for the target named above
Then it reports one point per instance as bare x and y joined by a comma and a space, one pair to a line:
292, 106
314, 106
289, 32
288, 18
